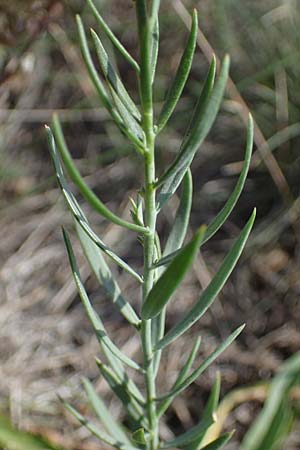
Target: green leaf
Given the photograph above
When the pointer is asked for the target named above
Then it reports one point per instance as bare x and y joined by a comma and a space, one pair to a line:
139, 437
100, 89
279, 428
74, 174
104, 437
112, 427
14, 439
112, 77
220, 218
203, 366
179, 229
135, 131
209, 411
155, 5
97, 323
166, 285
123, 390
274, 417
98, 83
112, 37
213, 289
80, 217
181, 376
201, 123
181, 76
189, 436
105, 278
218, 443
155, 47
175, 241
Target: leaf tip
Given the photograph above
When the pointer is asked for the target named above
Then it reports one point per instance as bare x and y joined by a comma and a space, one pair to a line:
240, 329
99, 362
195, 18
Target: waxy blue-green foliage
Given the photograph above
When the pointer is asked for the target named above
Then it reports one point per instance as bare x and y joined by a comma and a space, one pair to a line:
164, 269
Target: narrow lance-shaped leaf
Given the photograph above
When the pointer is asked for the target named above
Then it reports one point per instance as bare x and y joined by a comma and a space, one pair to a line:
155, 5
223, 215
111, 425
91, 67
13, 438
203, 366
279, 428
105, 277
101, 435
112, 78
189, 436
181, 222
220, 218
99, 85
213, 400
91, 313
88, 194
284, 380
201, 123
181, 376
124, 385
134, 131
78, 214
123, 391
213, 289
112, 37
209, 411
155, 47
219, 443
181, 76
166, 285
175, 241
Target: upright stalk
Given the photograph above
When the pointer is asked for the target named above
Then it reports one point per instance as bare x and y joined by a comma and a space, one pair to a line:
144, 31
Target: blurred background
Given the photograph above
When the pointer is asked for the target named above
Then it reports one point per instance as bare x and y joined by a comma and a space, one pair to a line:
46, 342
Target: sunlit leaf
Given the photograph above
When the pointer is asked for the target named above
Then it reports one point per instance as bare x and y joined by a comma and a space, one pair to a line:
272, 424
181, 376
105, 277
92, 315
101, 435
80, 217
166, 285
203, 366
74, 174
181, 76
14, 439
209, 411
220, 218
212, 290
112, 427
112, 77
189, 436
219, 443
201, 123
114, 40
123, 390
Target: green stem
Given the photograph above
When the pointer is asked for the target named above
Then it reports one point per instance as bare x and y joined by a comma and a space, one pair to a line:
150, 210
149, 243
